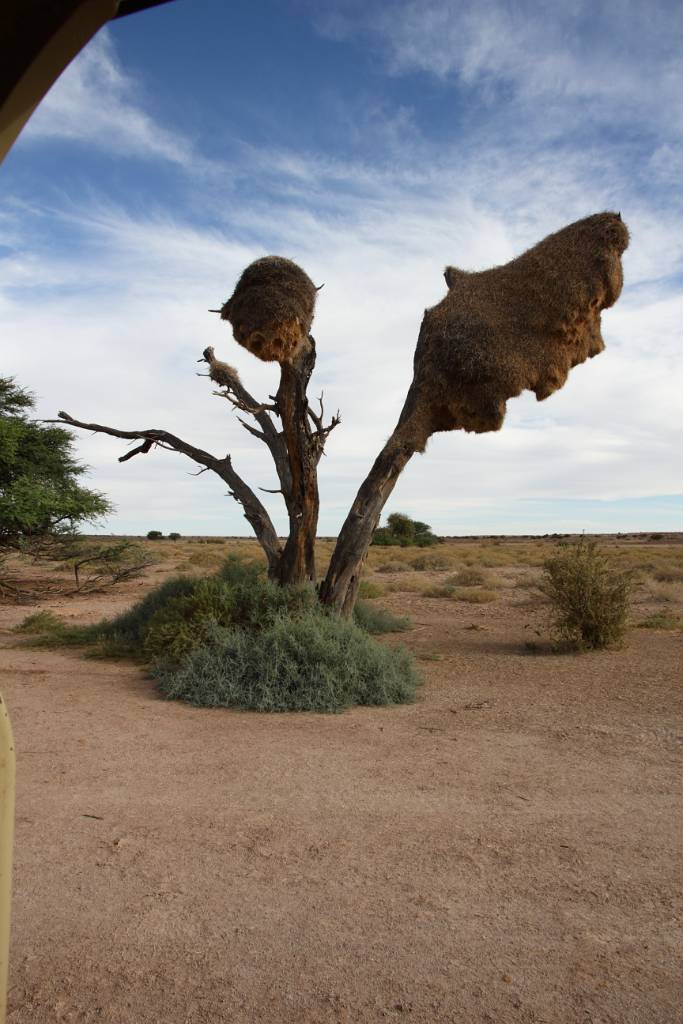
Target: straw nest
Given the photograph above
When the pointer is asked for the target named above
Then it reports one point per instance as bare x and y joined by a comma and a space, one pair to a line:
520, 326
271, 309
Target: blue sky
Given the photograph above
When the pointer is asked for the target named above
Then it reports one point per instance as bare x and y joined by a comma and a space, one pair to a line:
374, 143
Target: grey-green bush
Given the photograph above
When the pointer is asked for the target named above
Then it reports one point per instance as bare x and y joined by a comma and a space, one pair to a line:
317, 662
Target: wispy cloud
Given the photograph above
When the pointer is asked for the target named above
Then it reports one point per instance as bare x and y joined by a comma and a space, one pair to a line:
96, 102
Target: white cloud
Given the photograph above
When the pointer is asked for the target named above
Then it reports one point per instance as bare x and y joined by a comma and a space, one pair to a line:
96, 102
620, 59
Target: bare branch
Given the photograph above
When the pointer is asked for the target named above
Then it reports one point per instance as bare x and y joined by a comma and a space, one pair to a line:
141, 449
253, 410
252, 430
227, 378
254, 510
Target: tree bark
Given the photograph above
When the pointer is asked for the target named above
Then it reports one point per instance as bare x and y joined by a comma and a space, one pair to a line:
297, 563
339, 589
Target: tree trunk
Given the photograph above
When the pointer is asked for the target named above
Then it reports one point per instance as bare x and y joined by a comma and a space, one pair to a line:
340, 587
297, 562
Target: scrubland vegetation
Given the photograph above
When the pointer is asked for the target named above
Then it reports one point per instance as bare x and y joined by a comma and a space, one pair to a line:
236, 639
217, 632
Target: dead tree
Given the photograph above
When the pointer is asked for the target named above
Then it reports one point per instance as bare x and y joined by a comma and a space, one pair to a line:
496, 333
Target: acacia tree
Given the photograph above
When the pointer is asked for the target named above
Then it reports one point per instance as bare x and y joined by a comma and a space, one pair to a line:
40, 492
497, 332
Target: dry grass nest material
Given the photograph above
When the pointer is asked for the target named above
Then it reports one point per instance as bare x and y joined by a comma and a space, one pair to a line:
520, 326
271, 309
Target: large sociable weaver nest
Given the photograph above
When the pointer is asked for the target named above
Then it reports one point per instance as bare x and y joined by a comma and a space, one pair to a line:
271, 309
520, 326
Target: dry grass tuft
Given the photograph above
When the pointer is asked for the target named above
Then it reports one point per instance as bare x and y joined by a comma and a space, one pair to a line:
469, 577
665, 593
271, 309
432, 561
518, 327
393, 567
467, 594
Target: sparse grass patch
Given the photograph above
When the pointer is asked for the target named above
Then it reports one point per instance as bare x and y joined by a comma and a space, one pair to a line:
473, 596
661, 621
469, 577
45, 629
39, 623
670, 574
410, 584
432, 561
665, 593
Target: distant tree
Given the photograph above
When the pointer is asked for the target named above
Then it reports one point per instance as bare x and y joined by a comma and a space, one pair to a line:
403, 531
39, 475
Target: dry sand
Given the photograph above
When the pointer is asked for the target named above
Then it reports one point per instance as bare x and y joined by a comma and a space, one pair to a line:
505, 850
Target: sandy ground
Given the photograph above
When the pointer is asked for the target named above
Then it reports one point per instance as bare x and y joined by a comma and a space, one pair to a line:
505, 850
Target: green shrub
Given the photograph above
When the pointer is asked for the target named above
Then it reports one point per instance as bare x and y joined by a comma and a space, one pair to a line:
590, 598
378, 620
132, 625
317, 662
183, 621
155, 535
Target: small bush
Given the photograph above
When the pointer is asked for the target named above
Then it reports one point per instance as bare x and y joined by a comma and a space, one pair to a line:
174, 536
378, 620
590, 598
155, 535
45, 629
315, 663
39, 623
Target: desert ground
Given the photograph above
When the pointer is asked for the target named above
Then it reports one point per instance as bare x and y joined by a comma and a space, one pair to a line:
506, 849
